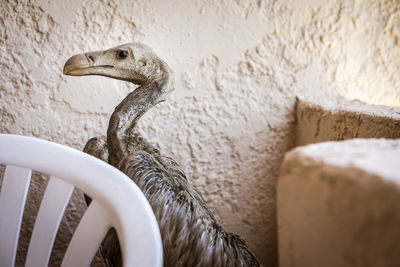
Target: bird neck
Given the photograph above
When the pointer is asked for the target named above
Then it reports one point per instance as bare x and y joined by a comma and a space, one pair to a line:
128, 112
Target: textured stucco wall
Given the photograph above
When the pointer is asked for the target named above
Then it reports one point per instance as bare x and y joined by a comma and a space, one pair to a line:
238, 64
338, 204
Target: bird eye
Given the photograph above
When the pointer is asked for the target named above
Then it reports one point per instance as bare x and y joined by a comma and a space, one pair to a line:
122, 54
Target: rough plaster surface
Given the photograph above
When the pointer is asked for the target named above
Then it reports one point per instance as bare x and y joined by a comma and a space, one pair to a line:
338, 204
238, 64
334, 118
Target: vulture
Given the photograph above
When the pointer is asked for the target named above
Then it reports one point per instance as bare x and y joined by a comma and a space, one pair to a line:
191, 235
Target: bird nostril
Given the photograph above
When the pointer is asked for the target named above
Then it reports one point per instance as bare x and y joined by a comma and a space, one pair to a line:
89, 57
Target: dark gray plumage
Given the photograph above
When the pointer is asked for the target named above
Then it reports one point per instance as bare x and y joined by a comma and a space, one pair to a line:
191, 235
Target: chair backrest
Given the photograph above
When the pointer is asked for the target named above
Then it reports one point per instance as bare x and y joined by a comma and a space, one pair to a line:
116, 202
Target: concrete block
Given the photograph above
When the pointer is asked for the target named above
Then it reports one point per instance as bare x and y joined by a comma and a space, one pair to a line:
335, 118
338, 204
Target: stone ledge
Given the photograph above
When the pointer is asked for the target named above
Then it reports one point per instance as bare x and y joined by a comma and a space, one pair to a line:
335, 118
339, 204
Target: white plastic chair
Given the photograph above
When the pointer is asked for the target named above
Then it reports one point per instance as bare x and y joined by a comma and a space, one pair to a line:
116, 201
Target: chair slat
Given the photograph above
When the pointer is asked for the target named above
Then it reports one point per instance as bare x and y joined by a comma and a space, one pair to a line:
51, 211
12, 202
88, 236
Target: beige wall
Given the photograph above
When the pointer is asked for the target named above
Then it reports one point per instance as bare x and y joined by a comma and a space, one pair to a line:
238, 64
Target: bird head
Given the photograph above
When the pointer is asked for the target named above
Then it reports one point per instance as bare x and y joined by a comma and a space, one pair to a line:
133, 62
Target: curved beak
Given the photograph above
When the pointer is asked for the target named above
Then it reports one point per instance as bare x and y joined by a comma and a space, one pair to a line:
77, 65
86, 64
